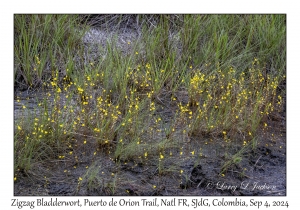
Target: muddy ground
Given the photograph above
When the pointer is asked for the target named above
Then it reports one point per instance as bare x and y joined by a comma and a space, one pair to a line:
258, 170
261, 172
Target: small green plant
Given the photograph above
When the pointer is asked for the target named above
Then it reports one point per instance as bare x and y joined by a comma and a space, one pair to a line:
93, 177
233, 160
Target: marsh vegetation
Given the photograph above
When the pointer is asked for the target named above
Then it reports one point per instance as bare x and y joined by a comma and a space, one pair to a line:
148, 104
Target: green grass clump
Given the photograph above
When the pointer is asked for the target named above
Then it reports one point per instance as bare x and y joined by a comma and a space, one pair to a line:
185, 77
42, 43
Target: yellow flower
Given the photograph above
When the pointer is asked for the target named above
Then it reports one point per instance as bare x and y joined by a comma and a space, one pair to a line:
84, 142
79, 179
193, 152
15, 178
154, 186
19, 128
161, 156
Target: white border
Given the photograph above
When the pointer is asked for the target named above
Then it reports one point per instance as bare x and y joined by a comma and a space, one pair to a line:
8, 8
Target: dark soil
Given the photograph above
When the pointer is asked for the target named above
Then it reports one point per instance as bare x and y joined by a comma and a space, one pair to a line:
265, 175
259, 170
